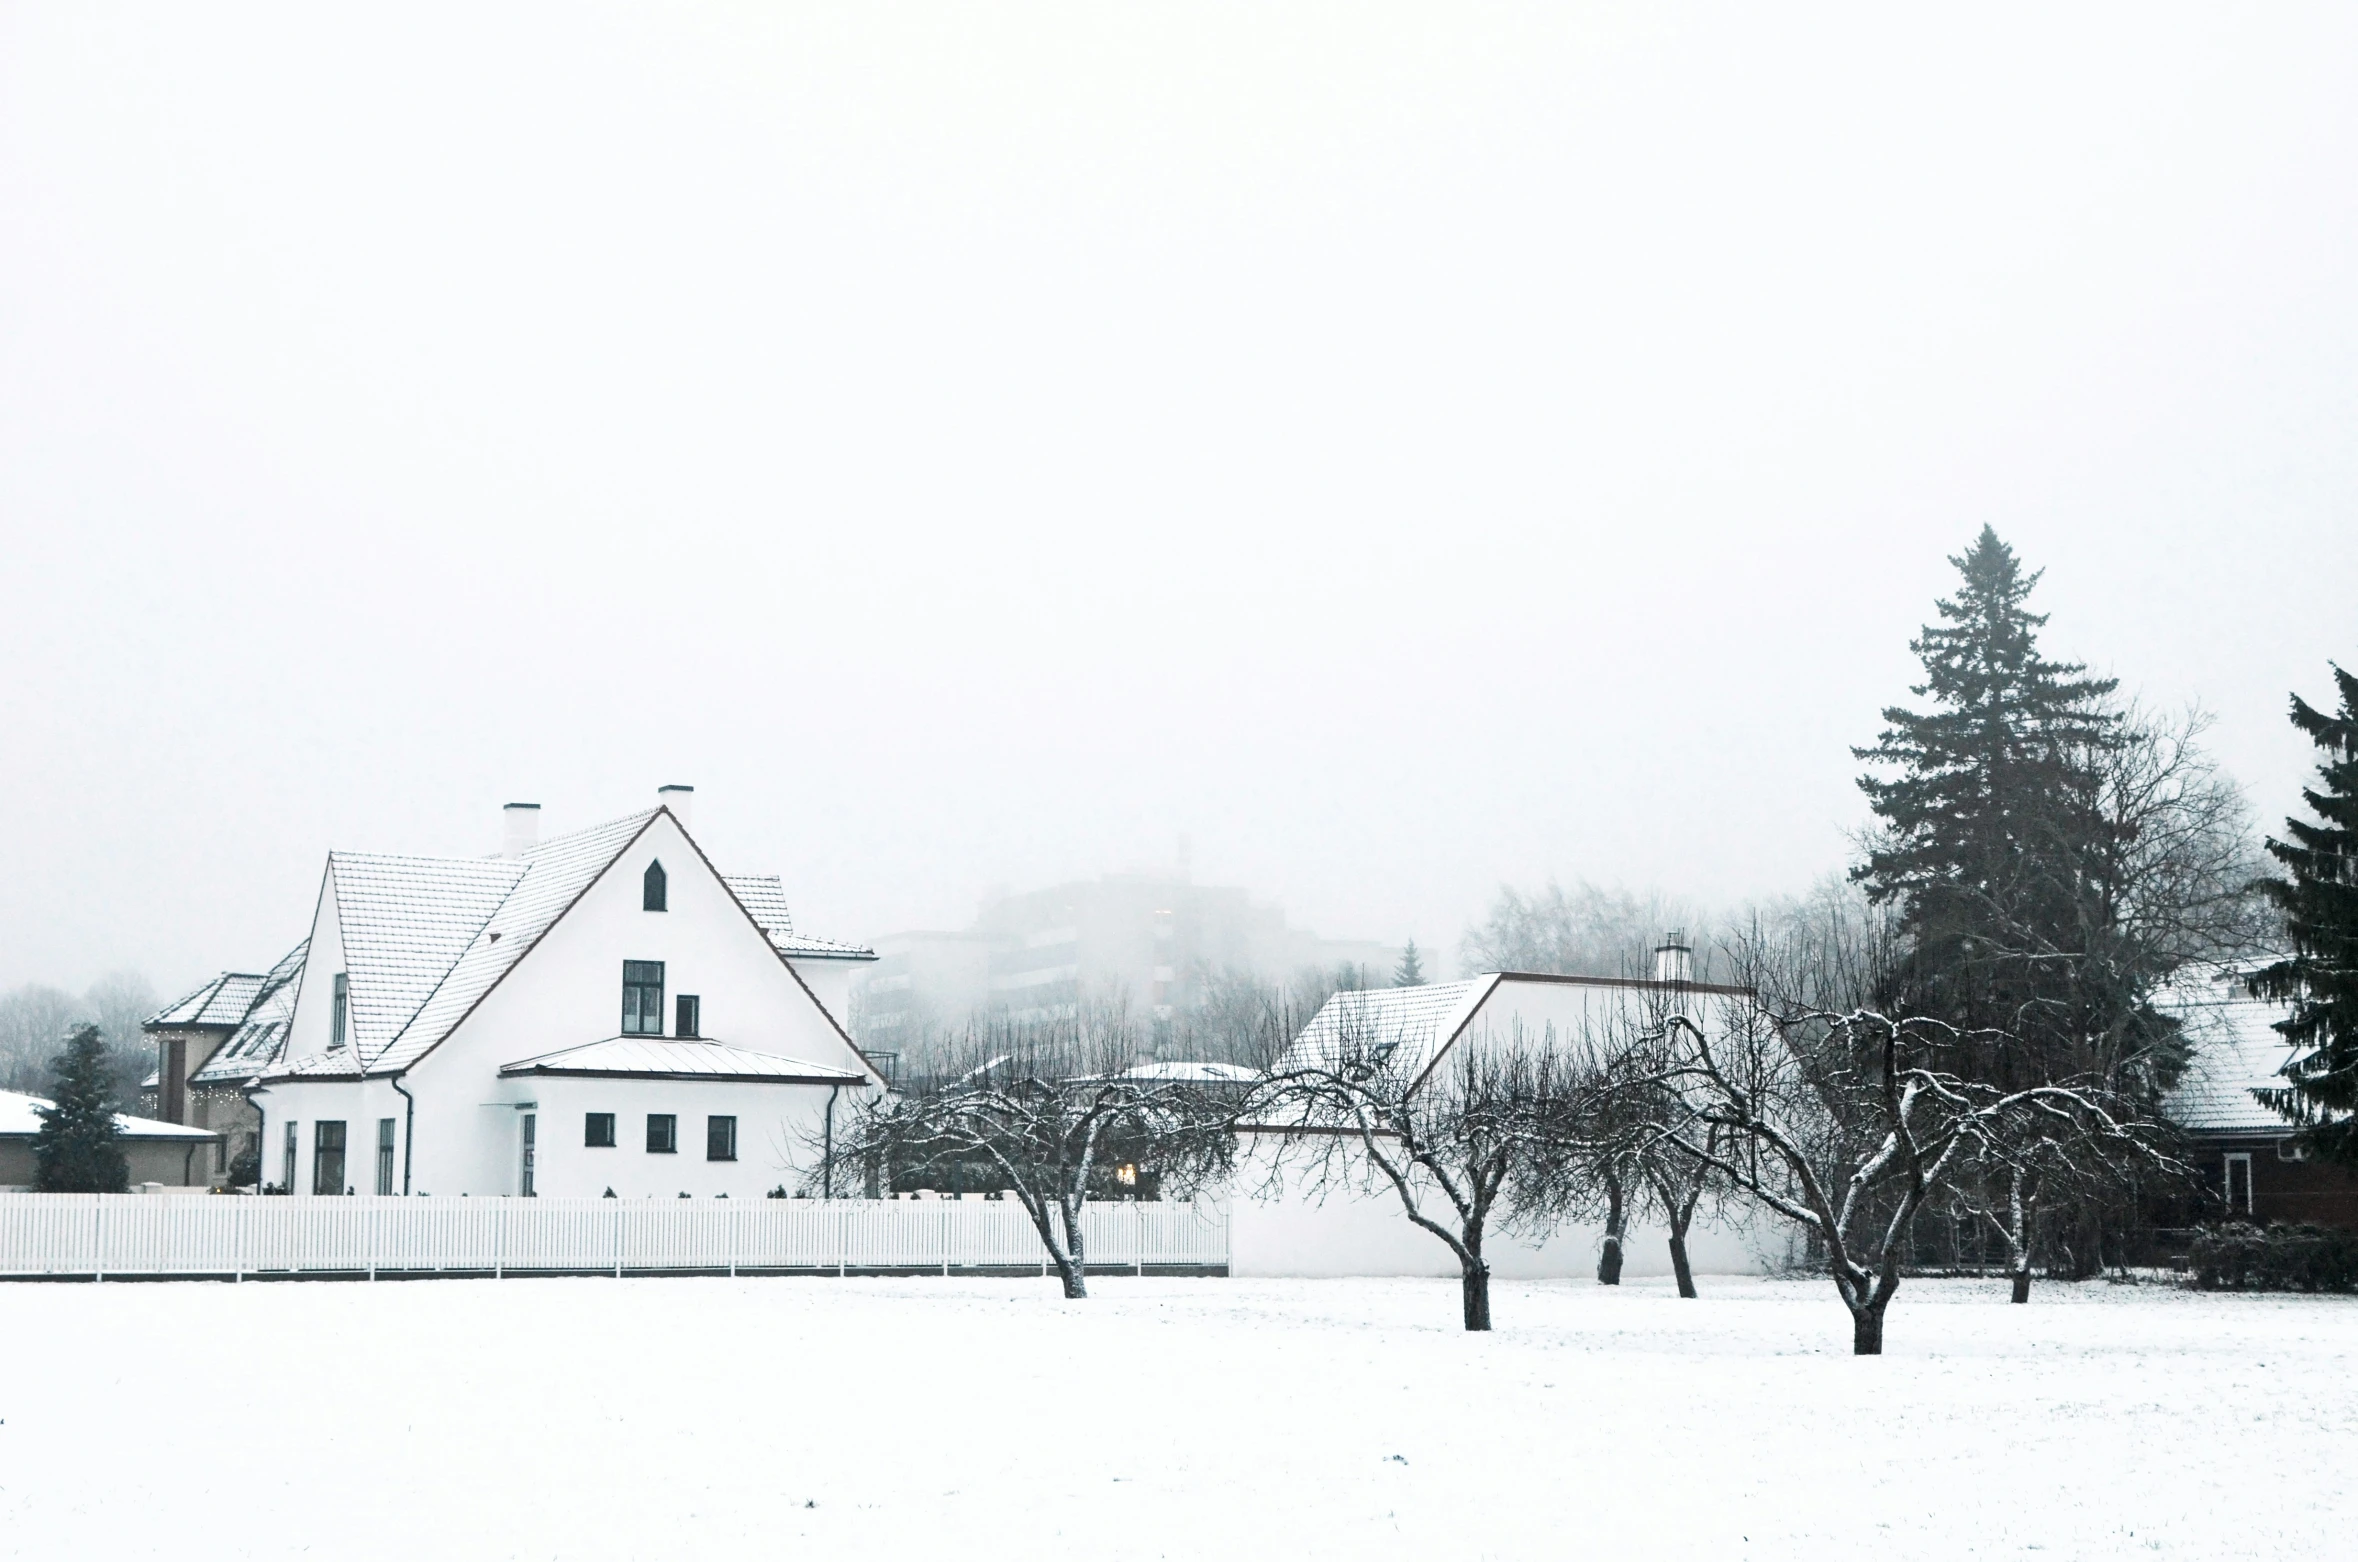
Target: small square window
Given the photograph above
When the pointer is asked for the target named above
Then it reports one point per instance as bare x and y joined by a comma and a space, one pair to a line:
597, 1130
720, 1138
663, 1133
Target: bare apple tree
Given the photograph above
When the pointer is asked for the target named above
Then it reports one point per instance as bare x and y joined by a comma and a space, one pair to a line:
1848, 1121
1456, 1132
1051, 1113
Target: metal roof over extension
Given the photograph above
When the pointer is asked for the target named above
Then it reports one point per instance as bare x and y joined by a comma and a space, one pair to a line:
660, 1057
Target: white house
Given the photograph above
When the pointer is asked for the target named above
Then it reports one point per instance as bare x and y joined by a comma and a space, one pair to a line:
1359, 1229
601, 1011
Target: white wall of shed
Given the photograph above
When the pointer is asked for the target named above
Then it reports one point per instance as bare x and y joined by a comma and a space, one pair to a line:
1363, 1231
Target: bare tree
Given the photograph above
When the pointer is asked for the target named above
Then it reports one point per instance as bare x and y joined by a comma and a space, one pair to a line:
1360, 1098
1584, 931
1050, 1113
1848, 1121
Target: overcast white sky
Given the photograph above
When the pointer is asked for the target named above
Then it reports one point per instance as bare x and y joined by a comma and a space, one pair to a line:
1406, 449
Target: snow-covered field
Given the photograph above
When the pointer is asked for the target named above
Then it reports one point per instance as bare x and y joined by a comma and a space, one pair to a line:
1238, 1419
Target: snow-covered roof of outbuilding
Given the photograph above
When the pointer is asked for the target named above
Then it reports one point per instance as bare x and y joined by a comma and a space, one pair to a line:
20, 1118
1416, 1023
659, 1057
2234, 1050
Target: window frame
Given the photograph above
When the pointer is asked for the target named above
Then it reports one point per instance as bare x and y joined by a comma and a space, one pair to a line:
724, 1128
637, 1009
2227, 1175
531, 1146
590, 1122
340, 1011
385, 1133
294, 1153
322, 1130
671, 1133
687, 1016
655, 887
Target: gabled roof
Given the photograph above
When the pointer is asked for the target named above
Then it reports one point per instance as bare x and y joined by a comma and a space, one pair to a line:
19, 1117
223, 1001
658, 1057
1416, 1023
255, 1044
2235, 1051
405, 922
426, 937
764, 898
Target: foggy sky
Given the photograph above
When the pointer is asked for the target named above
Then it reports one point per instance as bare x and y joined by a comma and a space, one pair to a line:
1403, 449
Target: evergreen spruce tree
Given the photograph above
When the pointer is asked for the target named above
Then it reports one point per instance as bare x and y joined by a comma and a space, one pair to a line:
1992, 826
2319, 899
1410, 972
78, 1148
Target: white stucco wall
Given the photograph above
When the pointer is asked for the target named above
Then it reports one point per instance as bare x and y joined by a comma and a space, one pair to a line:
567, 992
775, 1123
1364, 1231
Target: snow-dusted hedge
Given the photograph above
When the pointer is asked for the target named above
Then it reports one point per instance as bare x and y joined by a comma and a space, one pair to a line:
2281, 1258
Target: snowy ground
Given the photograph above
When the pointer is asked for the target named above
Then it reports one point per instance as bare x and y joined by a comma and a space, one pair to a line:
1236, 1419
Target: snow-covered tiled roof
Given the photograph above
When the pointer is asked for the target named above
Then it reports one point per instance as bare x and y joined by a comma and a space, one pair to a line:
1416, 1023
764, 898
658, 1057
2235, 1050
406, 921
20, 1118
255, 1044
222, 1001
548, 880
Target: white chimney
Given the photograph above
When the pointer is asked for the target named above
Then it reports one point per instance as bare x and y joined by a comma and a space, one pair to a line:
522, 832
1674, 961
681, 800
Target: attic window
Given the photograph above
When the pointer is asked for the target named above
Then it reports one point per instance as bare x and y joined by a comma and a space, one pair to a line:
653, 886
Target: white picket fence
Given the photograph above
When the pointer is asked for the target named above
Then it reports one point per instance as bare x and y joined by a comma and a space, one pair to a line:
110, 1236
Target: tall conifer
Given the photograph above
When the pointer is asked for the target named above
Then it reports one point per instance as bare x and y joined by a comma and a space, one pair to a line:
1990, 803
1410, 972
2319, 898
78, 1148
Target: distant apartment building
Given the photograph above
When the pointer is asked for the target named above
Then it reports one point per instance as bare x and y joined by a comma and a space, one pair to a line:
1155, 938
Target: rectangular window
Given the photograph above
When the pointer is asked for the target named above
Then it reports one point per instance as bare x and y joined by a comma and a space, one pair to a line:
720, 1138
642, 997
384, 1155
341, 1008
597, 1130
327, 1158
2239, 1184
531, 1133
687, 1015
287, 1185
663, 1134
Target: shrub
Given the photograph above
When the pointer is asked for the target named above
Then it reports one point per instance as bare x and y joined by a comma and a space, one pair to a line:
2281, 1258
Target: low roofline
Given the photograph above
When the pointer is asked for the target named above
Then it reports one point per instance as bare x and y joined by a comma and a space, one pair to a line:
847, 1079
1717, 989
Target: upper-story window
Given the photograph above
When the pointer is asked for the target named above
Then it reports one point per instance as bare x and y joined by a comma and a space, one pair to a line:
642, 997
687, 1015
340, 1010
652, 887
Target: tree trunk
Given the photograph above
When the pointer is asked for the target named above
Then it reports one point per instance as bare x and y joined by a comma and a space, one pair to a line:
1609, 1261
1076, 1284
1679, 1266
1866, 1330
1476, 1284
2022, 1280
